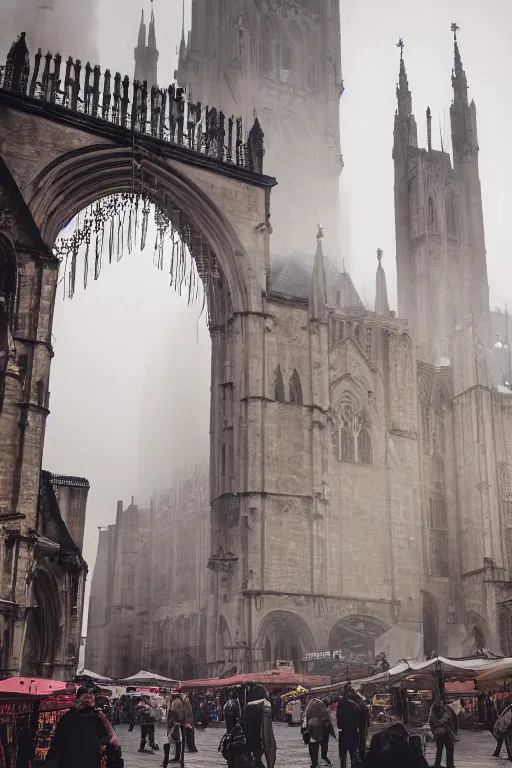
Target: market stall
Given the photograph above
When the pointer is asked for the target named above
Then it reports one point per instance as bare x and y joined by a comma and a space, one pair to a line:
30, 708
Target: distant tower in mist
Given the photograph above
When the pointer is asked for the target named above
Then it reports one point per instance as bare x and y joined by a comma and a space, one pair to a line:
146, 53
282, 62
67, 27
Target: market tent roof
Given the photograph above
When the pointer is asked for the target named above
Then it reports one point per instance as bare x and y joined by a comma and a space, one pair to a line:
500, 670
147, 678
460, 669
276, 679
93, 675
30, 686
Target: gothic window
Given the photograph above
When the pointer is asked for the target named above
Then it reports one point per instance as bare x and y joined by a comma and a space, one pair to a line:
427, 427
338, 299
254, 55
430, 625
450, 206
432, 216
364, 447
347, 443
279, 386
295, 389
354, 435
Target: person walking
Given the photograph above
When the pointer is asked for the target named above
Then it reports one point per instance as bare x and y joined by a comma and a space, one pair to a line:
316, 729
441, 725
175, 721
80, 734
349, 719
188, 719
147, 719
502, 732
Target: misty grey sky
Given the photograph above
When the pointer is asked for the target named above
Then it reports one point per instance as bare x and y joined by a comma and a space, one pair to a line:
130, 381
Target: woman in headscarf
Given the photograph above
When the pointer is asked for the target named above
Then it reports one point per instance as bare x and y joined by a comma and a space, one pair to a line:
80, 734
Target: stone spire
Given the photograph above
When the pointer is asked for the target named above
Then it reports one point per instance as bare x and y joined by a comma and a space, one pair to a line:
403, 93
459, 79
463, 114
318, 297
146, 53
152, 30
142, 32
381, 295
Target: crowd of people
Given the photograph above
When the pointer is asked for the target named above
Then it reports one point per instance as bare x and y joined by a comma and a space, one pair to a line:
84, 731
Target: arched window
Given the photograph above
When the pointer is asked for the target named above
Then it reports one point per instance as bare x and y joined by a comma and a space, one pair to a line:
279, 394
295, 389
450, 208
364, 447
347, 443
354, 435
432, 216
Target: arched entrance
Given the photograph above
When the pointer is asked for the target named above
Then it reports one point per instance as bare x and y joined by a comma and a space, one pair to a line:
284, 636
356, 635
43, 628
217, 206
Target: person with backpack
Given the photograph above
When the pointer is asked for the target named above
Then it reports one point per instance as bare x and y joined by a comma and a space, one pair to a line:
80, 734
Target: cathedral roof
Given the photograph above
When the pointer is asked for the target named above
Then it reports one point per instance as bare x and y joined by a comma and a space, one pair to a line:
291, 276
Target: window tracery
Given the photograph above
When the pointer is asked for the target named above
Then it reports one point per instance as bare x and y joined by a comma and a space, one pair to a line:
354, 441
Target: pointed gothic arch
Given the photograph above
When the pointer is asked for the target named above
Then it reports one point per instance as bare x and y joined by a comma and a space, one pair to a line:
430, 625
279, 393
296, 397
432, 214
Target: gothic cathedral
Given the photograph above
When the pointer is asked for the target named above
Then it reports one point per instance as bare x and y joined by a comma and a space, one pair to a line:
391, 529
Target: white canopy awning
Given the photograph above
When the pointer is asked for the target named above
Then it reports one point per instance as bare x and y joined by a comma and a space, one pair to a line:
148, 678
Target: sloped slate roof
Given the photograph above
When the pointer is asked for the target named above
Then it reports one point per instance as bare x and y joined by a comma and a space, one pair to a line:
291, 276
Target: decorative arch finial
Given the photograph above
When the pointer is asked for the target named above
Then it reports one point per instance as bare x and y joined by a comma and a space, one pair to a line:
320, 233
401, 45
454, 28
380, 254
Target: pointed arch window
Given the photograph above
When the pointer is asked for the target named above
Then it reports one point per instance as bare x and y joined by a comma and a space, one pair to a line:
279, 393
432, 215
296, 389
354, 435
364, 446
450, 207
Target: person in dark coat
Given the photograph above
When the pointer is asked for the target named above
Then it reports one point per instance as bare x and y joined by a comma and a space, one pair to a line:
80, 733
350, 720
440, 721
316, 729
394, 748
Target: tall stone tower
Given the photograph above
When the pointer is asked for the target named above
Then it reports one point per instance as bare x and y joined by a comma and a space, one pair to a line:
442, 271
146, 53
280, 60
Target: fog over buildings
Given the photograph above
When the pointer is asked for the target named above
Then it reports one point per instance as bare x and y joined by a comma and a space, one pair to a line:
130, 378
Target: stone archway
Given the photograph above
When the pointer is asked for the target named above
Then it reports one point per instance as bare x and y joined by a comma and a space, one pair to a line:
356, 635
284, 636
43, 628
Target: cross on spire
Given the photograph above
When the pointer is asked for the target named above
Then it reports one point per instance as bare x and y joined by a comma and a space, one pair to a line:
455, 28
401, 45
